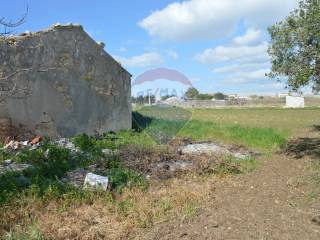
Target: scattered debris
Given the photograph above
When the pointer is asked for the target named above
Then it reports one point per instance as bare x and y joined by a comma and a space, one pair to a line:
66, 143
77, 177
200, 148
165, 163
15, 145
12, 144
7, 140
210, 148
36, 140
96, 181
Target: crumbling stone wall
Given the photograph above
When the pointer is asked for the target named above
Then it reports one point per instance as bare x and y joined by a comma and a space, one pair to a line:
60, 82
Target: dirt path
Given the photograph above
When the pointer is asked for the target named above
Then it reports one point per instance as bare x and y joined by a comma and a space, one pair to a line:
272, 202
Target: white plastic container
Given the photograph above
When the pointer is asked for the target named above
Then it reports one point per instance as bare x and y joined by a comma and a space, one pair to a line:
96, 181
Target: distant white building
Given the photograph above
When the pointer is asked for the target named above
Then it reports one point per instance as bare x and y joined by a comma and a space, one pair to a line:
233, 96
294, 102
236, 96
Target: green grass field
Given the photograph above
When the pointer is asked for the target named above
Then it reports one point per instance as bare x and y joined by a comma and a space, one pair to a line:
293, 121
261, 128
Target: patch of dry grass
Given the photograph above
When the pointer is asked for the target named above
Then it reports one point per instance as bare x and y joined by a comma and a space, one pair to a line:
120, 217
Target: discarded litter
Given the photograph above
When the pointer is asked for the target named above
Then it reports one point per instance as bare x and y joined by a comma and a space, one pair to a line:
15, 145
12, 144
96, 181
36, 140
66, 143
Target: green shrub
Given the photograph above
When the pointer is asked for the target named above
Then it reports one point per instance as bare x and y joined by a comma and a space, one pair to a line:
87, 144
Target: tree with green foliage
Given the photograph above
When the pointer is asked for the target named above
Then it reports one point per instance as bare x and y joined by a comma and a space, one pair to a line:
219, 96
295, 47
204, 96
192, 93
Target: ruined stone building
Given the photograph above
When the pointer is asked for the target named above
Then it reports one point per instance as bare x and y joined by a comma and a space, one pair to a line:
60, 82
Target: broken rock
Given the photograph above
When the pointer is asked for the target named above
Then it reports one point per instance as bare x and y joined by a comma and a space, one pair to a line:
14, 167
210, 148
7, 162
66, 143
199, 148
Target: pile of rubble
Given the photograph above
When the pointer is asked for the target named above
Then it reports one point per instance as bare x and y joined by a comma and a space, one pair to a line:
10, 166
81, 178
213, 148
181, 157
185, 157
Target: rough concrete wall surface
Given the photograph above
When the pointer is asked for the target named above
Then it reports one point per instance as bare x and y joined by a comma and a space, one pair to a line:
60, 82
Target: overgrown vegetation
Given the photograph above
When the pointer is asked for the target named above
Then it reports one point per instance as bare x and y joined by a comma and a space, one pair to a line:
132, 203
51, 162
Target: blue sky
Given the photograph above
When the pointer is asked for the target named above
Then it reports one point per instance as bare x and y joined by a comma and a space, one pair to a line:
219, 45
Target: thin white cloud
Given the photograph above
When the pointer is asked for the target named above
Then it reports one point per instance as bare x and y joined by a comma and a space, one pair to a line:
246, 54
238, 67
273, 85
240, 63
257, 74
211, 19
172, 54
251, 36
248, 76
150, 59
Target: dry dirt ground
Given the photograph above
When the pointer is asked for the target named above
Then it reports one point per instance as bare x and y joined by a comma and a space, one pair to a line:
278, 200
273, 202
